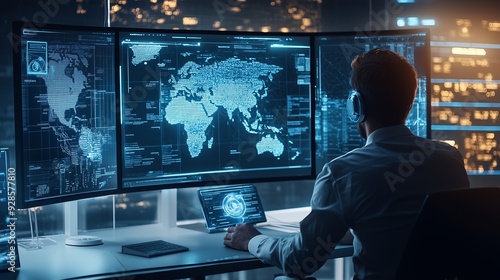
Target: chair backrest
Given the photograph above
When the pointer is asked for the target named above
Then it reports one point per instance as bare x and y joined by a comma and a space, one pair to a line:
456, 236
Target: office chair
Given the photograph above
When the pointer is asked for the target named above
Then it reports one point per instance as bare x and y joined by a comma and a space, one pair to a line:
456, 236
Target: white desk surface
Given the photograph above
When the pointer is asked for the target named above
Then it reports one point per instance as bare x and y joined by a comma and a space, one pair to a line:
207, 255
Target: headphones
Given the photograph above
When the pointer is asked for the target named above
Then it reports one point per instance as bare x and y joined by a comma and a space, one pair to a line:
355, 107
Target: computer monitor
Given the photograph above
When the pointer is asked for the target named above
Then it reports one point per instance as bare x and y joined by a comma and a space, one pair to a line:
65, 112
335, 133
214, 108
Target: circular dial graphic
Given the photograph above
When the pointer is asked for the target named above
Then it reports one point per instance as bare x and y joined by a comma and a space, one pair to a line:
234, 205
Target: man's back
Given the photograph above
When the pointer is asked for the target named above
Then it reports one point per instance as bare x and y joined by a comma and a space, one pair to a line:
375, 191
379, 190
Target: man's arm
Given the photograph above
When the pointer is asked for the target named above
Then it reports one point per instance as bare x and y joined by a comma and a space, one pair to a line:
297, 255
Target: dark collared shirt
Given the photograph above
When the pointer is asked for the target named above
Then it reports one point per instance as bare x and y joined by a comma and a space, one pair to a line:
375, 191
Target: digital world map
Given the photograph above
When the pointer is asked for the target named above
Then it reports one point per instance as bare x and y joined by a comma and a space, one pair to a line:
210, 110
77, 150
231, 84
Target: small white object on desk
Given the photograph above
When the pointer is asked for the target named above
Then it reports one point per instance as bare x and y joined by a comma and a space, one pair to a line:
83, 240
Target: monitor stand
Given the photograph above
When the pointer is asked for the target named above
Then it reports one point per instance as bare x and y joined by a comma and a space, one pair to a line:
71, 228
167, 216
167, 209
36, 241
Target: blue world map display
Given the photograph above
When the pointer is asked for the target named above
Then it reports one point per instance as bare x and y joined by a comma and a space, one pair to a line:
70, 114
212, 104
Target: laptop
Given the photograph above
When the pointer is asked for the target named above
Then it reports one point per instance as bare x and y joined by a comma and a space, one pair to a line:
227, 206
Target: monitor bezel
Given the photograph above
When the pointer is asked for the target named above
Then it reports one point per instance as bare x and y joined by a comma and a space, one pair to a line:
22, 203
223, 180
17, 31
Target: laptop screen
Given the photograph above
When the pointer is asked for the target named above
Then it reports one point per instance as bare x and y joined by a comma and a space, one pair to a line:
228, 206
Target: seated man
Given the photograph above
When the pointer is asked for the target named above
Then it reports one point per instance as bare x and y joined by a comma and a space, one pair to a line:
375, 191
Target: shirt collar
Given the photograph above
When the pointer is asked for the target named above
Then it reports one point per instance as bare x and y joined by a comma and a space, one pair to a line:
387, 132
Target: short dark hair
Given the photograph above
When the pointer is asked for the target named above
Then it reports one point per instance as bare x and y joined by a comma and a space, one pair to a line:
388, 84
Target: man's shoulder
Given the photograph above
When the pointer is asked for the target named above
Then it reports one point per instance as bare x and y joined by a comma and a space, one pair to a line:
432, 145
409, 144
352, 160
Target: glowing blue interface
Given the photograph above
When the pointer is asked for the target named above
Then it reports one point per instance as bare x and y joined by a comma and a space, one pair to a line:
68, 117
335, 134
225, 207
214, 107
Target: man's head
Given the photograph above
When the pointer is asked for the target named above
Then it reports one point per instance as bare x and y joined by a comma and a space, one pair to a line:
387, 83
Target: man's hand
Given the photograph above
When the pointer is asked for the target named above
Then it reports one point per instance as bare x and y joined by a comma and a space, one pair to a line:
237, 237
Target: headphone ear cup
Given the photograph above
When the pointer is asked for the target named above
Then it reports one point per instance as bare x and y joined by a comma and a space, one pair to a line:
355, 107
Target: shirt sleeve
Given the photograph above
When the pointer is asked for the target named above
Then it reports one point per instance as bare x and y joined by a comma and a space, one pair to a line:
254, 243
273, 250
301, 254
277, 251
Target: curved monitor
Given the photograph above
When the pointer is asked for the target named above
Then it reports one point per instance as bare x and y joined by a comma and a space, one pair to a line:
65, 95
336, 134
214, 108
108, 110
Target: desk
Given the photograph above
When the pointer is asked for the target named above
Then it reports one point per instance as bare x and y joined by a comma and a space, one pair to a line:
207, 255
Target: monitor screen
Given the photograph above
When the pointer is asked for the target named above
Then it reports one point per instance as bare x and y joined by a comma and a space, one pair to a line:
214, 108
228, 206
65, 113
335, 133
